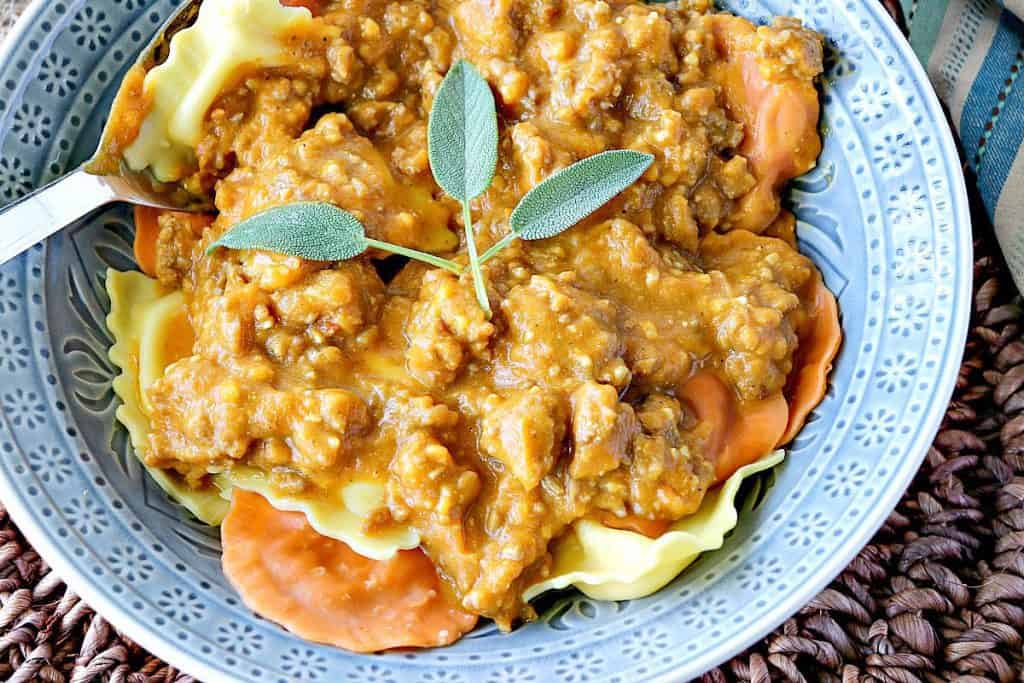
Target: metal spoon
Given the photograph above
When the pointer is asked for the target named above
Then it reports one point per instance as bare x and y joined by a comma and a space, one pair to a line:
53, 207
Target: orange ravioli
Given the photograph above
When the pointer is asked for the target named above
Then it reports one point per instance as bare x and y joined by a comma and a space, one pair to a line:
779, 112
819, 345
739, 435
319, 589
147, 233
147, 230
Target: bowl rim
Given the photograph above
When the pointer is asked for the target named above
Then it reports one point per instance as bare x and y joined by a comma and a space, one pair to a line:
32, 528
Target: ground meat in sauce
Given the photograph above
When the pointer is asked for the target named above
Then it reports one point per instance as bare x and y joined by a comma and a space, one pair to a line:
494, 436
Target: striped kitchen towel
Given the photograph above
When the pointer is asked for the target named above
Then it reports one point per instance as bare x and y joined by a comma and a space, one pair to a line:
974, 52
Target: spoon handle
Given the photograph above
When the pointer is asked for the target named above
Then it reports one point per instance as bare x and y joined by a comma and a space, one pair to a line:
49, 209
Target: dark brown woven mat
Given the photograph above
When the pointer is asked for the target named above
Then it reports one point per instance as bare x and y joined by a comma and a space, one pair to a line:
938, 595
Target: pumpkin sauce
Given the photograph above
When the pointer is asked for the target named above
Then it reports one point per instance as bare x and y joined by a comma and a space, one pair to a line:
631, 363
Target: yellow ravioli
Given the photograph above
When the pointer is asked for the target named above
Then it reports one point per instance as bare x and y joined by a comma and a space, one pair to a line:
134, 298
229, 36
339, 514
613, 564
150, 326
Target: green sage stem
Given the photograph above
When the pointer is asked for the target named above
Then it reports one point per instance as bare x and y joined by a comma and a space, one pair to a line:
498, 246
474, 261
416, 254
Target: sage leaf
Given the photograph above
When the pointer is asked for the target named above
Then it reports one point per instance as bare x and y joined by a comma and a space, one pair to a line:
462, 134
462, 142
311, 230
567, 197
317, 231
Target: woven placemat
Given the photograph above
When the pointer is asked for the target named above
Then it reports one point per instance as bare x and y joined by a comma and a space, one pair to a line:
938, 595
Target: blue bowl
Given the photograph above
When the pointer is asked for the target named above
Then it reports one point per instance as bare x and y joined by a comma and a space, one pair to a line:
884, 215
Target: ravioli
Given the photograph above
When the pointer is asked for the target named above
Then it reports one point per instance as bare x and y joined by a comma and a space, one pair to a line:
139, 309
319, 589
229, 36
339, 514
151, 331
613, 564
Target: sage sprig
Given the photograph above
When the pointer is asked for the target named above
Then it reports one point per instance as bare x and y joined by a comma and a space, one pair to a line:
564, 199
462, 137
316, 231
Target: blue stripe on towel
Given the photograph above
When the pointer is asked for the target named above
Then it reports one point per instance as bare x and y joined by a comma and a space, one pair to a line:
1008, 132
984, 94
1003, 146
